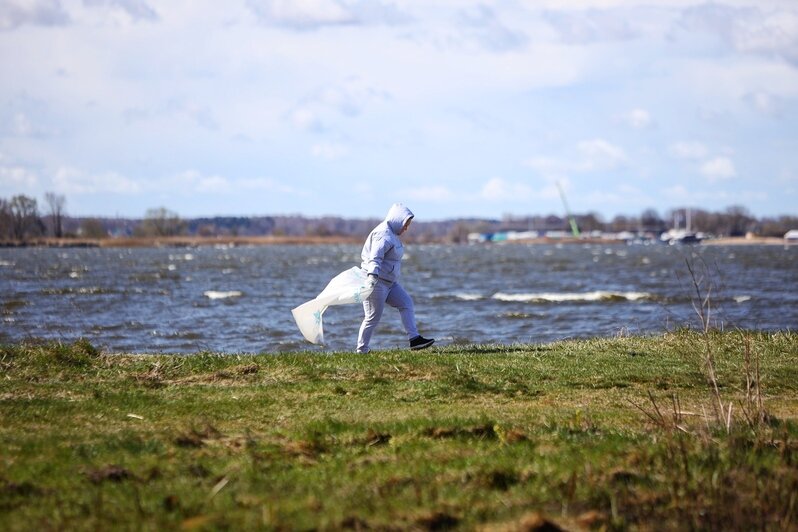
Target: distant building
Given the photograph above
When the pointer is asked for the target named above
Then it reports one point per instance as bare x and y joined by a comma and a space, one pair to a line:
791, 235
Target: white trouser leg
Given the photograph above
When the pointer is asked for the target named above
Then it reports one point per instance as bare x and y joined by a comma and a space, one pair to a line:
372, 310
401, 300
395, 296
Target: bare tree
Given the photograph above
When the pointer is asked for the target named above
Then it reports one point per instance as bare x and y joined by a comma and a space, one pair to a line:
622, 223
161, 222
93, 228
739, 220
590, 221
6, 220
25, 217
650, 221
56, 203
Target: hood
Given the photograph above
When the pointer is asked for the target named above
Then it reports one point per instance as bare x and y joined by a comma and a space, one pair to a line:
398, 214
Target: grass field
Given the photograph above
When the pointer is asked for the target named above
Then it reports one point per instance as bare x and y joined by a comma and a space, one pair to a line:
679, 431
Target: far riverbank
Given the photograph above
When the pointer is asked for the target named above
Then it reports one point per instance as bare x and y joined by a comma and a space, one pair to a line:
180, 241
266, 240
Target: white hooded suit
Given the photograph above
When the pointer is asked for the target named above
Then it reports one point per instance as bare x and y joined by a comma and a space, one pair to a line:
382, 256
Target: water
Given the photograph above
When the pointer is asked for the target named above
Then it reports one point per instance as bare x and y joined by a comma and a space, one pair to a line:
239, 299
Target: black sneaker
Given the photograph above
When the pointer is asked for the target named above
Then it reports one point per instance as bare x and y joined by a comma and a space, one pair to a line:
419, 342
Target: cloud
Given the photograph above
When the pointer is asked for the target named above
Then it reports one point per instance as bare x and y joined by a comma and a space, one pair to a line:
548, 166
172, 110
70, 180
591, 155
688, 150
498, 189
598, 154
193, 181
787, 176
21, 126
185, 184
718, 169
307, 119
136, 9
301, 14
16, 178
481, 25
188, 183
623, 195
745, 29
432, 194
264, 184
320, 80
307, 15
469, 32
329, 150
204, 117
591, 25
364, 188
213, 184
131, 115
201, 115
773, 33
24, 116
764, 102
677, 193
681, 195
346, 99
16, 13
637, 119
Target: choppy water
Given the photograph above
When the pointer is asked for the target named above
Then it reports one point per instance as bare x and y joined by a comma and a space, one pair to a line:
239, 299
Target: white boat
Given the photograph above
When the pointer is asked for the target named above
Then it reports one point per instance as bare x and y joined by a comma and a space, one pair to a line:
682, 236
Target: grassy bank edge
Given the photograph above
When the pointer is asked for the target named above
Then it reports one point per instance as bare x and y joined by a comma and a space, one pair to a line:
601, 433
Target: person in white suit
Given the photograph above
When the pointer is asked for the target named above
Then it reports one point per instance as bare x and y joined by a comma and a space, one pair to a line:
382, 261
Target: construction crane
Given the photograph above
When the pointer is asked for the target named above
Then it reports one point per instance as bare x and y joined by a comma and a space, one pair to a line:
571, 219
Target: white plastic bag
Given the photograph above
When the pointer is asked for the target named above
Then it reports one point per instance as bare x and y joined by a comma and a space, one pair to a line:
347, 287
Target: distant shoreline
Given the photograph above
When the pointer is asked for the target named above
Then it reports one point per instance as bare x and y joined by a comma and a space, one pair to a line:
267, 240
743, 241
180, 241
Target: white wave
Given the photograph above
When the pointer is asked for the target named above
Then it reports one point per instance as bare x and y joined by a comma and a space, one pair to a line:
181, 256
467, 296
91, 290
215, 294
561, 297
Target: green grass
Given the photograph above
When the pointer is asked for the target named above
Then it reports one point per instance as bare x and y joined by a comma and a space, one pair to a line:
578, 433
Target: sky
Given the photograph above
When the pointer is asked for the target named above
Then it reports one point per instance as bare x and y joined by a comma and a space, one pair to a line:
455, 108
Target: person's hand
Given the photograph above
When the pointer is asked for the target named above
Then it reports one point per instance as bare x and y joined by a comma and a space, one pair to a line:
371, 280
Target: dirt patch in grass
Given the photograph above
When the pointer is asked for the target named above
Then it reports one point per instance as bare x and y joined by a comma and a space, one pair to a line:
480, 432
437, 521
112, 473
20, 489
197, 437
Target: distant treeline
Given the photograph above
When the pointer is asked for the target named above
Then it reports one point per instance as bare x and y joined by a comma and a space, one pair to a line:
21, 220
